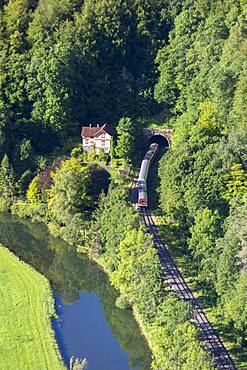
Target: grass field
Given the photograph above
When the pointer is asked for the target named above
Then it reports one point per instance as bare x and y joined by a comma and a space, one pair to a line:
27, 340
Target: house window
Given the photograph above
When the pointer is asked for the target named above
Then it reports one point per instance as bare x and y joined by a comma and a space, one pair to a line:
86, 141
102, 142
103, 135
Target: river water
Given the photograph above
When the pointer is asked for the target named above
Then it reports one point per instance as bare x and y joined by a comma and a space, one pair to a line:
88, 324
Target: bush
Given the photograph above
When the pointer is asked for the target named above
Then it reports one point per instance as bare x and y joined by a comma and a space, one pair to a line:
77, 152
37, 212
122, 302
102, 156
4, 204
34, 193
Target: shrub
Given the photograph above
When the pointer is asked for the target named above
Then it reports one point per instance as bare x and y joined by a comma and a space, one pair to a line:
37, 212
4, 204
77, 151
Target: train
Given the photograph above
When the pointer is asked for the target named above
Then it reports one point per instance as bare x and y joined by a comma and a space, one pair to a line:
143, 174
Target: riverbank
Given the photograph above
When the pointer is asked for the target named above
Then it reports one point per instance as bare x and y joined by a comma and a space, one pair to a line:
27, 340
25, 210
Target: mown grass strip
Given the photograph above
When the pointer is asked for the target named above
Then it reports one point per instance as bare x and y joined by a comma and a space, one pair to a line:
26, 306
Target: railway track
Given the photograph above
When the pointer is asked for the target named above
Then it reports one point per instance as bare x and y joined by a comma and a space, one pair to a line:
174, 279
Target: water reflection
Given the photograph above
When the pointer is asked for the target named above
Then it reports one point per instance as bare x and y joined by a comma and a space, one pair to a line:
89, 324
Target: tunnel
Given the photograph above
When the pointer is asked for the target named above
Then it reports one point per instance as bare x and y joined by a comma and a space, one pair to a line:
159, 139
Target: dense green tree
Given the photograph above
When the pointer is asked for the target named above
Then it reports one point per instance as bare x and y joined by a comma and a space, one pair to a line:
175, 339
24, 180
138, 273
14, 50
102, 156
181, 350
4, 121
171, 171
236, 182
204, 232
34, 192
114, 218
25, 149
233, 247
68, 195
8, 187
58, 80
236, 308
73, 190
125, 141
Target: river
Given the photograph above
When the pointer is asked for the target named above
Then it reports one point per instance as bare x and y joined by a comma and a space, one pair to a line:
88, 324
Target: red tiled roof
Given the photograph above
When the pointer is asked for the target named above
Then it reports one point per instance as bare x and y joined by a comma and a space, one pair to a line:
95, 131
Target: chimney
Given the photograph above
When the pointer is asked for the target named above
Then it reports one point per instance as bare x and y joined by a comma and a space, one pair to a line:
90, 125
97, 125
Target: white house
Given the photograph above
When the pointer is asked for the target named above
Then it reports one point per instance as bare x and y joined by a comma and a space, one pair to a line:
99, 137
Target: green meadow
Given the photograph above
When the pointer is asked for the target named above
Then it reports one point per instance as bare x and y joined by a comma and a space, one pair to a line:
26, 306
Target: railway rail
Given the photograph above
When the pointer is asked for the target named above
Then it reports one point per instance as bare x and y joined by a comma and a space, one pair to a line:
174, 279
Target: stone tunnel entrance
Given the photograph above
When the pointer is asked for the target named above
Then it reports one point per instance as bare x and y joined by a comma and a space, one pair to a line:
161, 136
159, 139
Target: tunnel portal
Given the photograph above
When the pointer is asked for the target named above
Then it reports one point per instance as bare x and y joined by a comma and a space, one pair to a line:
159, 139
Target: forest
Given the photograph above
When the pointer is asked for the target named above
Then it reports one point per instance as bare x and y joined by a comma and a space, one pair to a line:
179, 63
203, 177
